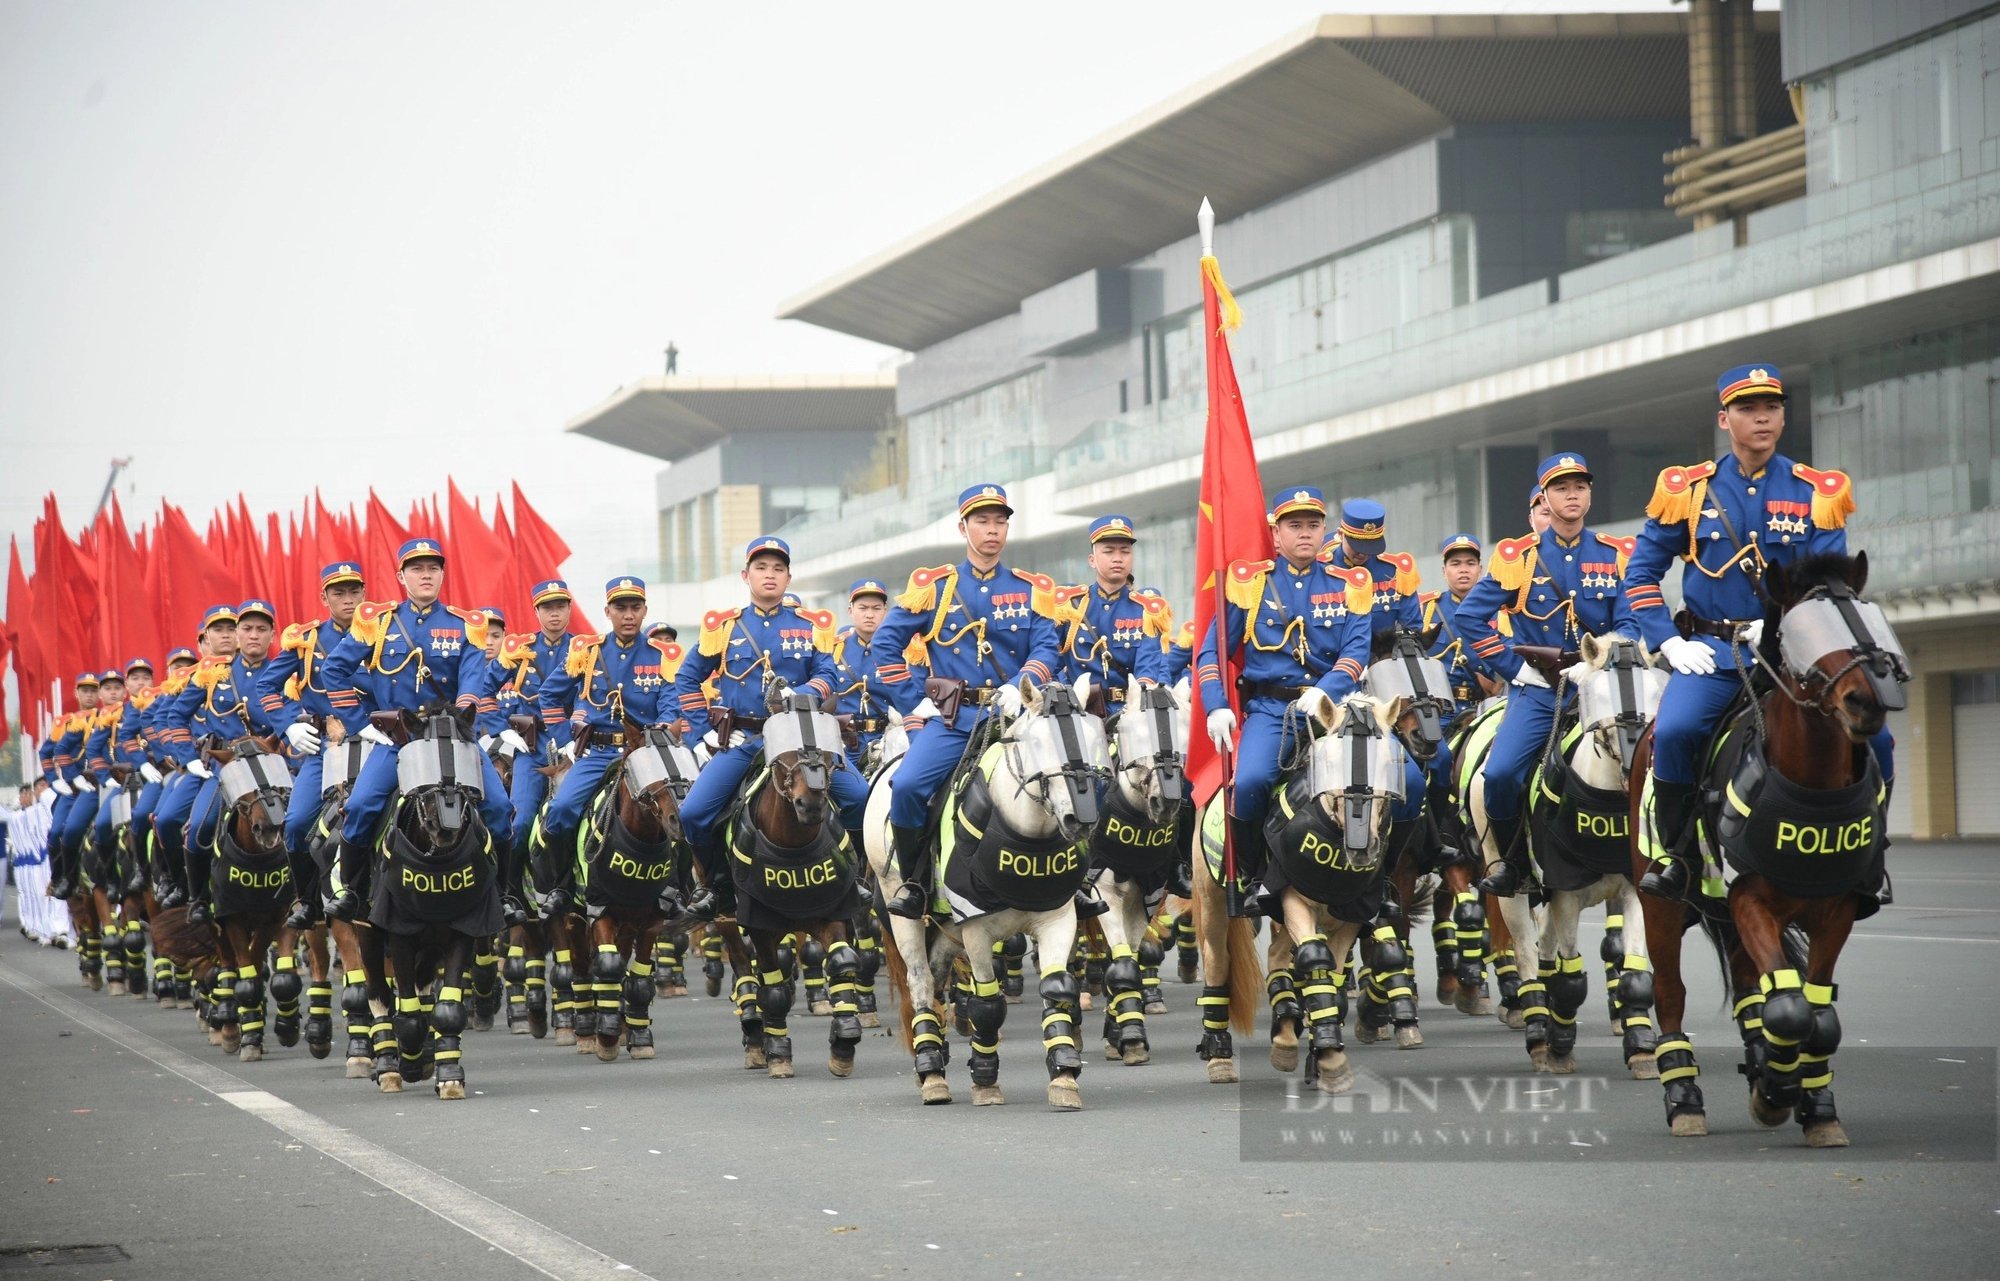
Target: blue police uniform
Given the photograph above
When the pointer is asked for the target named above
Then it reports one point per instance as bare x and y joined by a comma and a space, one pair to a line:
1395, 600
1112, 636
1726, 527
1440, 610
402, 658
212, 702
292, 687
737, 647
1295, 627
116, 742
526, 664
858, 690
984, 628
1179, 652
70, 733
608, 681
498, 702
1553, 591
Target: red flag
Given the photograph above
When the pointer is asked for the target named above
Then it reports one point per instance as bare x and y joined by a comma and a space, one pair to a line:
1230, 525
128, 624
71, 604
192, 578
380, 540
540, 552
479, 560
24, 640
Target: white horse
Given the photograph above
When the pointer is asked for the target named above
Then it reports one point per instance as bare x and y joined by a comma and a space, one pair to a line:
1581, 804
1136, 843
1038, 781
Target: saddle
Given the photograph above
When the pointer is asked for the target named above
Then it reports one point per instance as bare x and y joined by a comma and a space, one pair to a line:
983, 866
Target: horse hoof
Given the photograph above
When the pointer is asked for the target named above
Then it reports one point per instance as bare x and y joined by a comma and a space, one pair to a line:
1515, 1019
250, 1054
358, 1069
607, 1053
871, 1019
1135, 1055
819, 1009
288, 1036
1083, 1000
1618, 1028
391, 1082
1015, 1000
1369, 1035
95, 983
1409, 1038
565, 1036
231, 1044
518, 1029
482, 1022
1156, 1007
116, 987
1222, 1072
215, 1036
781, 1069
319, 1049
674, 990
1767, 1114
934, 1089
538, 1028
986, 1096
1539, 1056
838, 1066
1689, 1125
1825, 1134
1112, 1052
1482, 1008
713, 987
1562, 1064
587, 1044
1336, 1074
449, 1090
753, 1058
642, 1052
1190, 975
1643, 1067
1064, 1096
1285, 1056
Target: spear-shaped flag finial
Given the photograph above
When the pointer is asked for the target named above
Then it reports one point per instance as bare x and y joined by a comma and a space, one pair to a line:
1205, 219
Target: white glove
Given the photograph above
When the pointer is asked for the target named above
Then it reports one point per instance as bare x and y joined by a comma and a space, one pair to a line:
1751, 634
1182, 691
147, 772
199, 768
738, 738
568, 751
1529, 676
1222, 730
924, 710
1009, 701
374, 735
1688, 657
485, 742
303, 738
1081, 688
1576, 672
85, 783
784, 690
1313, 703
61, 786
513, 739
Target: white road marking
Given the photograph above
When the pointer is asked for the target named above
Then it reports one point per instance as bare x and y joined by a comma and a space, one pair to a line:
543, 1248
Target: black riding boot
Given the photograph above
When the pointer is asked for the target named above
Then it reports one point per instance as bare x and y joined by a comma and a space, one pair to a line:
912, 898
305, 886
1507, 880
512, 859
345, 904
1673, 819
1246, 837
200, 868
716, 896
169, 866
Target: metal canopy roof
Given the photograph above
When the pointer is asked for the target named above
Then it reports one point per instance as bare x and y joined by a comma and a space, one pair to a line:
1317, 103
673, 417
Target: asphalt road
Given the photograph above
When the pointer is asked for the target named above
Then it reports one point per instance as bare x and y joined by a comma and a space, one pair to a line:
123, 1128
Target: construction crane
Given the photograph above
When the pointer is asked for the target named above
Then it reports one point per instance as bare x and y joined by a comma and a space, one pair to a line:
110, 482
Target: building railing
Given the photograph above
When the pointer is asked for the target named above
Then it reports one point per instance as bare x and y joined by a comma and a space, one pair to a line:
884, 513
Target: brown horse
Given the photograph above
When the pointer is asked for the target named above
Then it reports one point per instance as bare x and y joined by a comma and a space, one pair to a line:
1802, 831
630, 857
251, 883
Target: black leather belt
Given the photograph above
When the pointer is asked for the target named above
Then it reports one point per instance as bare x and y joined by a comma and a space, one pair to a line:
1266, 689
1693, 624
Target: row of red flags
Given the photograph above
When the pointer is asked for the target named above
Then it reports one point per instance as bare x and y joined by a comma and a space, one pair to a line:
112, 593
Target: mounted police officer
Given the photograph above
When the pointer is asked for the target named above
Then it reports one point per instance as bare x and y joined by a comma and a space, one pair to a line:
526, 665
404, 658
1553, 588
1471, 679
1727, 520
1303, 626
861, 695
984, 626
75, 793
294, 696
1109, 630
608, 680
740, 648
221, 699
1361, 541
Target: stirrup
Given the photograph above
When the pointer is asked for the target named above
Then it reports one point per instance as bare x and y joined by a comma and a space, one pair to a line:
1667, 878
1259, 901
1088, 904
200, 913
908, 902
1504, 882
304, 915
341, 907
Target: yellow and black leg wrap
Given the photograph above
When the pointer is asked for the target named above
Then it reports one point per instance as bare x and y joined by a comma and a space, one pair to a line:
1612, 952
183, 983
986, 1009
562, 981
748, 1016
360, 1022
1150, 956
1216, 1043
1125, 1011
607, 970
868, 963
1816, 1056
843, 967
1284, 1002
1008, 954
111, 945
412, 1034
812, 962
1187, 947
1534, 998
287, 984
1095, 959
1787, 1023
1678, 1076
163, 979
485, 987
1322, 991
774, 1002
711, 961
1507, 975
1391, 990
928, 1048
639, 992
1635, 1005
1060, 993
319, 1017
514, 974
1568, 987
1444, 947
222, 1000
448, 1019
382, 1039
536, 991
135, 955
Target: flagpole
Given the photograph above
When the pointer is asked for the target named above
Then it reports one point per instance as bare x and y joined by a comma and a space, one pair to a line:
1231, 892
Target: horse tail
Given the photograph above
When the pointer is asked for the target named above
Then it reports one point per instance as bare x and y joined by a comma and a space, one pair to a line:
1722, 935
899, 988
1246, 977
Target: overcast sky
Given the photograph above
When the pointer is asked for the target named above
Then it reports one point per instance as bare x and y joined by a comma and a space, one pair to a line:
263, 247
